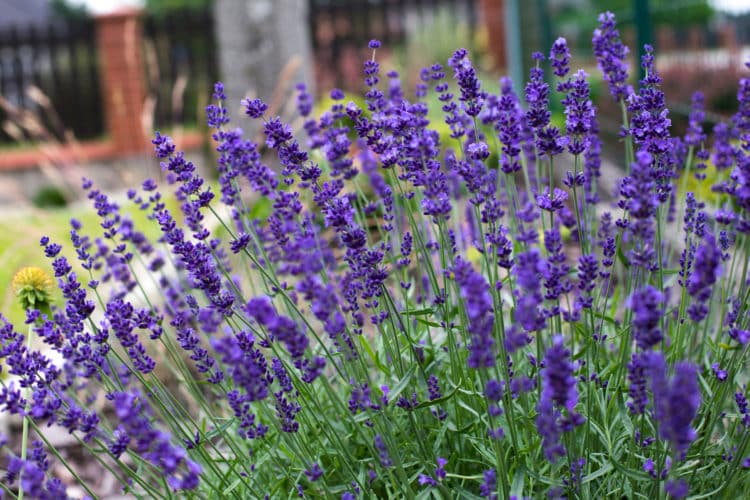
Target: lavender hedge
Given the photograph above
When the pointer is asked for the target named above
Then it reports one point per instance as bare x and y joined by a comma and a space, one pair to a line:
386, 315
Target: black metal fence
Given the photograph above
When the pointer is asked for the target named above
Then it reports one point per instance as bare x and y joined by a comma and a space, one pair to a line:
61, 61
181, 65
340, 30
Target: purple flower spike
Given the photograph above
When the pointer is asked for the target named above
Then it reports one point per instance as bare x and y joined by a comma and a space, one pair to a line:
558, 392
479, 307
425, 480
638, 384
559, 384
694, 135
611, 56
721, 375
650, 124
494, 390
579, 114
466, 77
152, 444
248, 369
706, 271
742, 407
304, 100
676, 401
537, 97
529, 269
647, 305
433, 388
509, 127
724, 152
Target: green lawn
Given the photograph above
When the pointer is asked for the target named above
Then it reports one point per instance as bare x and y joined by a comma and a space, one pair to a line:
19, 243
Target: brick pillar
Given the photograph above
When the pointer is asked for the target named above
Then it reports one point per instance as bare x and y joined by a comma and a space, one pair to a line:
120, 44
665, 39
728, 41
493, 13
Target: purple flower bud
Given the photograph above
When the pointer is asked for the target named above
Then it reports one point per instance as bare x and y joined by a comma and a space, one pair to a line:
488, 487
254, 108
721, 375
425, 480
552, 202
314, 473
494, 390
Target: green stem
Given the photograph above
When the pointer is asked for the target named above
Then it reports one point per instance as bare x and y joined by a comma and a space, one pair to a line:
629, 154
26, 419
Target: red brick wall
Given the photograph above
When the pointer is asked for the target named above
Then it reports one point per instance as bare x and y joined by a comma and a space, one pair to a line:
120, 41
493, 13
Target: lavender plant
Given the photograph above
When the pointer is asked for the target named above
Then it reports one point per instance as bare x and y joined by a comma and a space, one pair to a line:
392, 315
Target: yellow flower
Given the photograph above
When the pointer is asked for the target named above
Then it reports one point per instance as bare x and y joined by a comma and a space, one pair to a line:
474, 255
33, 287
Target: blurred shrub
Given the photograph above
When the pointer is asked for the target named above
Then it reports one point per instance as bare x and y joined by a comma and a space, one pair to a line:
437, 40
49, 197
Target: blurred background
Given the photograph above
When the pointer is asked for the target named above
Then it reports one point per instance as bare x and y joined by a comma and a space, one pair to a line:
84, 84
89, 81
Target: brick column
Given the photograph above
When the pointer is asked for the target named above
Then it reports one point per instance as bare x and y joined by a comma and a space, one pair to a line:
120, 44
728, 41
493, 13
665, 39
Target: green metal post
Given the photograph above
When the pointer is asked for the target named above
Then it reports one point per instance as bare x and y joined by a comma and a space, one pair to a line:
513, 44
545, 38
643, 30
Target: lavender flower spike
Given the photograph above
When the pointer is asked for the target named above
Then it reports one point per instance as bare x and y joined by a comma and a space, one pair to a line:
676, 401
466, 77
479, 307
611, 56
647, 305
559, 391
558, 380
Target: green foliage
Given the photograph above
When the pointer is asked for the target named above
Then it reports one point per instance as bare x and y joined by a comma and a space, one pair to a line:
676, 13
569, 20
436, 41
68, 11
49, 197
164, 7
